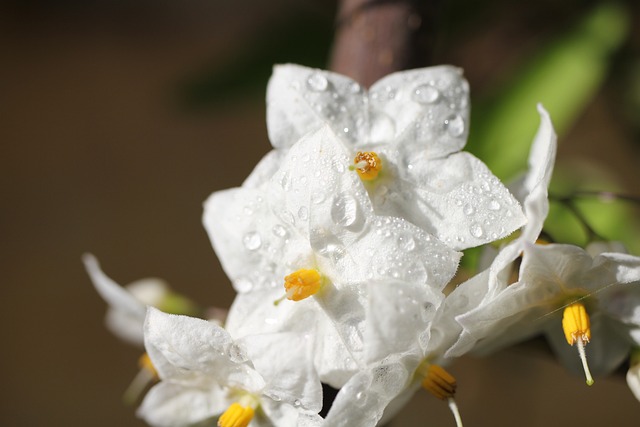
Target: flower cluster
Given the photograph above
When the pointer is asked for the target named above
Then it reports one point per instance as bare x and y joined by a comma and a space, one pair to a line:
341, 244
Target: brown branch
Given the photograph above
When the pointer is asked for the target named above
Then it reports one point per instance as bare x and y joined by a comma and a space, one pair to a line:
377, 37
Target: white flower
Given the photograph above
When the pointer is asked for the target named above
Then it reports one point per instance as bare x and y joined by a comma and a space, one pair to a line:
315, 215
378, 392
598, 299
532, 192
416, 123
262, 380
128, 305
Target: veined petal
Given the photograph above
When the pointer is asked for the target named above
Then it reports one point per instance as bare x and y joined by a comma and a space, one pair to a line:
175, 405
397, 315
362, 401
455, 198
302, 100
285, 362
422, 110
191, 350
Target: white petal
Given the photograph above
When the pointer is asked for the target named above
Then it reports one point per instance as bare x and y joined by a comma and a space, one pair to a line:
302, 100
421, 110
362, 401
285, 361
254, 244
111, 292
195, 351
264, 170
456, 198
559, 266
397, 314
175, 405
633, 380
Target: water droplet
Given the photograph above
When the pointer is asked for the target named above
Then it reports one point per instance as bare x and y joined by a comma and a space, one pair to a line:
344, 210
494, 205
338, 166
476, 230
243, 285
236, 354
454, 124
297, 403
317, 198
468, 209
279, 230
317, 82
285, 181
406, 242
303, 213
345, 130
247, 210
359, 395
288, 217
252, 240
426, 94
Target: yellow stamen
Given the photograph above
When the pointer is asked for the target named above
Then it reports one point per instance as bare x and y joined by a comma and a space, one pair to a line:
439, 382
144, 362
367, 164
577, 330
442, 385
236, 415
301, 284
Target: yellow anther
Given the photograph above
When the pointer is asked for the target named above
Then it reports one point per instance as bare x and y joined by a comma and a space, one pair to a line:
236, 415
577, 330
144, 362
301, 284
439, 382
367, 164
575, 323
442, 385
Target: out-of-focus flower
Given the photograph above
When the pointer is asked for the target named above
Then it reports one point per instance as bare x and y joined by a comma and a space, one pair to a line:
128, 305
597, 298
404, 137
312, 227
205, 374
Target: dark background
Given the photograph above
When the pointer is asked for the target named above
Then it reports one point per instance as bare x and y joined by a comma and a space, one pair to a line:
118, 118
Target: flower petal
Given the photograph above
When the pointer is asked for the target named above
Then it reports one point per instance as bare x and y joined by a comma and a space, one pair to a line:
191, 351
422, 110
285, 362
302, 100
174, 405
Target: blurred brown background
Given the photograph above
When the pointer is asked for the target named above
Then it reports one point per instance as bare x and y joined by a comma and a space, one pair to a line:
118, 118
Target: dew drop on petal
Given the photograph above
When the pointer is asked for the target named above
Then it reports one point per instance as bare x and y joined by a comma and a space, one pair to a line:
243, 285
468, 209
344, 210
317, 82
236, 354
494, 205
303, 213
476, 230
279, 230
426, 94
252, 240
454, 124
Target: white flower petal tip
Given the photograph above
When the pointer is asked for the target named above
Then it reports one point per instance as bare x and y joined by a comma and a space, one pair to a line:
633, 375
